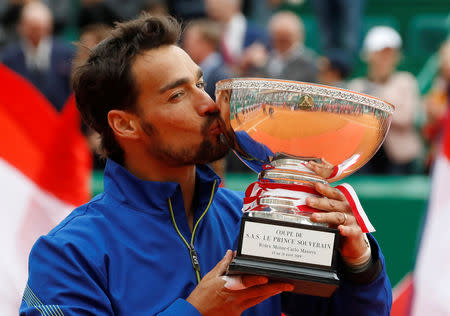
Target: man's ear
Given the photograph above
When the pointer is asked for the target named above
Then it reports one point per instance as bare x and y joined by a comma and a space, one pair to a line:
123, 123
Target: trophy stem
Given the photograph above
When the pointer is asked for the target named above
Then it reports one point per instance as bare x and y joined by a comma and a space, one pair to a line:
282, 190
289, 176
291, 170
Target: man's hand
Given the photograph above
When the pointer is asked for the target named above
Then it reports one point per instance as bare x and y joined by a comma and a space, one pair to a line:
339, 215
324, 169
210, 297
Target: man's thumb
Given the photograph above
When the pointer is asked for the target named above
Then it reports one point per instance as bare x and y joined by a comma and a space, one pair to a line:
223, 264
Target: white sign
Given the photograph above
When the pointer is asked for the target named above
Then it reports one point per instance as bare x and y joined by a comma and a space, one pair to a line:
288, 243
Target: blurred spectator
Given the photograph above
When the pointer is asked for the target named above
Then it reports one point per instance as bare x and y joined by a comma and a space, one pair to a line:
61, 10
340, 24
201, 40
334, 68
156, 7
289, 59
38, 56
257, 11
186, 10
90, 36
276, 4
402, 146
10, 14
238, 32
437, 104
110, 11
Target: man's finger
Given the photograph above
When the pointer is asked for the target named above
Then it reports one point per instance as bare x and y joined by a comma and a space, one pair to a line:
329, 192
233, 282
240, 282
333, 218
266, 289
252, 280
315, 167
320, 169
223, 264
326, 204
350, 231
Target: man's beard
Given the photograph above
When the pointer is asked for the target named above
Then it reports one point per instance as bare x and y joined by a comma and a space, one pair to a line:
208, 151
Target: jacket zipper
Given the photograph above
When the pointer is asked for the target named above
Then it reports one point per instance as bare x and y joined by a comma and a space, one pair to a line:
190, 246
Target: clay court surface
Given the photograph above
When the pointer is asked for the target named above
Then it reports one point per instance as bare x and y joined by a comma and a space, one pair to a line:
335, 137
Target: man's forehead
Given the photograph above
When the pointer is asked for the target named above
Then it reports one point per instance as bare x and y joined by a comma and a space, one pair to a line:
162, 55
163, 64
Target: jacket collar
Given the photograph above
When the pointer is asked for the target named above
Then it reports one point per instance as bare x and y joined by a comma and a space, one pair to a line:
147, 196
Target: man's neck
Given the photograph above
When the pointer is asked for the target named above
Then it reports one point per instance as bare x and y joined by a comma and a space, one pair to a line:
155, 170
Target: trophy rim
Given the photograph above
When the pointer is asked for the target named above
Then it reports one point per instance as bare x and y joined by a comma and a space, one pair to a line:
305, 87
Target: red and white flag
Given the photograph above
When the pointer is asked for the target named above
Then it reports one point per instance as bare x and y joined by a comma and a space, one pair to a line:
402, 296
432, 271
45, 168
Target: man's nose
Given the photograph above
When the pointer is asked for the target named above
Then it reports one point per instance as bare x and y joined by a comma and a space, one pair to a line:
207, 105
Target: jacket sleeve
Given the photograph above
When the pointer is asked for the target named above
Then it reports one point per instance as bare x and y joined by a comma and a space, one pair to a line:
63, 281
365, 294
368, 293
180, 307
66, 281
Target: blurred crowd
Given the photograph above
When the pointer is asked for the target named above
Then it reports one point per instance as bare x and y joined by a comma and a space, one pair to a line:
263, 40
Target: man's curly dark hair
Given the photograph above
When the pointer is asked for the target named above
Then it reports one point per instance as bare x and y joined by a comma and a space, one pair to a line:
106, 82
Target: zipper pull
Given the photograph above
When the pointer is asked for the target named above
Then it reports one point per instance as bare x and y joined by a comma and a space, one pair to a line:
194, 258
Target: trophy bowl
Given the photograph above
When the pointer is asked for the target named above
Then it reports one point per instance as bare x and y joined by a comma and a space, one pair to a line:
277, 127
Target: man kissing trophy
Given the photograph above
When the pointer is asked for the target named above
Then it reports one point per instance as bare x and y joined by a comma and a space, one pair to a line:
298, 137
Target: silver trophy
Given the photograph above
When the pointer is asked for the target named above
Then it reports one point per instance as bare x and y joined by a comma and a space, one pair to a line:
276, 127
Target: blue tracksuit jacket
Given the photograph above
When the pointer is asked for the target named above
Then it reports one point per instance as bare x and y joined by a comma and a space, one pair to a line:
126, 253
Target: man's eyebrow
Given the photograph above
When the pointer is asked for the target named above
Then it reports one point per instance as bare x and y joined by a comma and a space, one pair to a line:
199, 73
179, 82
173, 84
